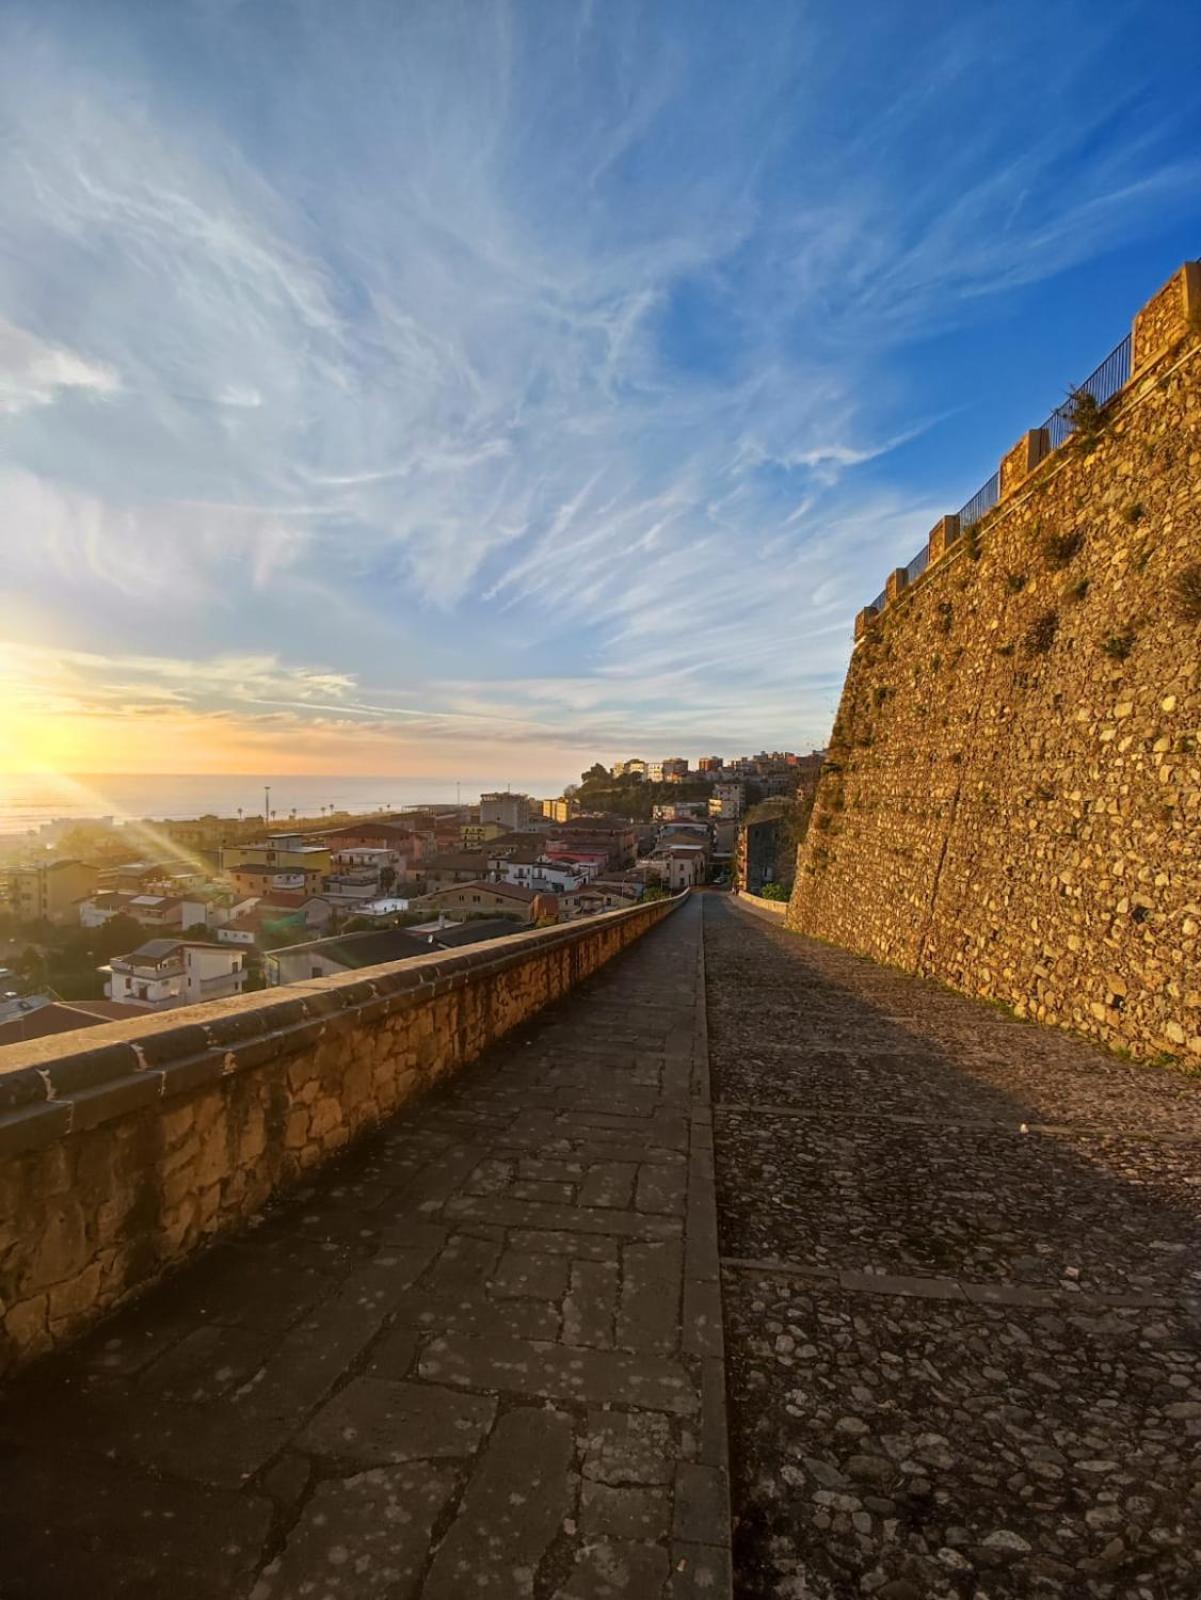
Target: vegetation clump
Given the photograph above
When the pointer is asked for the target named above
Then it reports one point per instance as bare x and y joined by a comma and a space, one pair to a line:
1084, 413
1060, 548
1186, 593
1040, 635
1119, 645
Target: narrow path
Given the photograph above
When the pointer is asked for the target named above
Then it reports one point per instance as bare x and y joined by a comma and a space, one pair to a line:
482, 1357
961, 1280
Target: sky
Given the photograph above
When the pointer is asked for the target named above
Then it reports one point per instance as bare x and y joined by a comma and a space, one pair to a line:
428, 387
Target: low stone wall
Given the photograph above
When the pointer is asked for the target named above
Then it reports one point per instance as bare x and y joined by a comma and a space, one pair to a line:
125, 1148
755, 902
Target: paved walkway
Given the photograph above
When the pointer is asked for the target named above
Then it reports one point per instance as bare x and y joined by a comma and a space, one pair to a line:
961, 1274
481, 1358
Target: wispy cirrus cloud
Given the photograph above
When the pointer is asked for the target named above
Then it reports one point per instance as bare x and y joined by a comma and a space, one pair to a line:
35, 373
550, 370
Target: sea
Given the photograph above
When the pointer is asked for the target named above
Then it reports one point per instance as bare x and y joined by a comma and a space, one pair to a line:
29, 802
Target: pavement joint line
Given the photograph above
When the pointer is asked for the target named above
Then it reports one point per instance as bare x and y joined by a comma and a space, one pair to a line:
704, 1250
959, 1124
922, 1286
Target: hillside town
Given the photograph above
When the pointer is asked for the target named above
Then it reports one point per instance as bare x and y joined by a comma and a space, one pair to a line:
101, 920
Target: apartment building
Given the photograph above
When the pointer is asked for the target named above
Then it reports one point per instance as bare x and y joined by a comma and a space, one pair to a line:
51, 890
510, 810
487, 898
164, 973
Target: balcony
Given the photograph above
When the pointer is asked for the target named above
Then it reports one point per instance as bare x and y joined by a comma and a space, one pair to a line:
225, 980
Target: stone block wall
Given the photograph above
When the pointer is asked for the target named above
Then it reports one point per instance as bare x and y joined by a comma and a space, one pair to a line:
125, 1148
1158, 324
1012, 802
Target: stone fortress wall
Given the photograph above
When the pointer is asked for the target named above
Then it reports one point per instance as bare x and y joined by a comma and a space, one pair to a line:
126, 1148
1012, 800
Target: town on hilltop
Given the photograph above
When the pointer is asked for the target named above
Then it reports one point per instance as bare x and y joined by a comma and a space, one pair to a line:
101, 920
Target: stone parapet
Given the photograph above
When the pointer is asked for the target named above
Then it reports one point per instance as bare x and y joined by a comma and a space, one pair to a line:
897, 582
125, 1148
1167, 316
943, 535
1032, 448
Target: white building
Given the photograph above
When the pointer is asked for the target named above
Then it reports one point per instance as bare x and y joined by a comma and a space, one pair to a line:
369, 858
727, 801
152, 910
681, 865
346, 891
174, 972
546, 877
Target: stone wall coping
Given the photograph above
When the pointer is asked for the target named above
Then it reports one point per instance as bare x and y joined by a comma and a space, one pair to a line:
1033, 450
1132, 395
65, 1084
756, 902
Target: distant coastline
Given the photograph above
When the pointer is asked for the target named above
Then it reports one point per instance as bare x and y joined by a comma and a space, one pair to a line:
28, 802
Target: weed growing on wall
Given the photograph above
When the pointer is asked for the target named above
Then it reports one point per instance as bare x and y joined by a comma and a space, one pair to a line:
1040, 635
1186, 593
1060, 548
1119, 645
1085, 416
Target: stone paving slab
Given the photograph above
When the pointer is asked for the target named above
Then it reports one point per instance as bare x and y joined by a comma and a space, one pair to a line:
477, 1357
963, 1361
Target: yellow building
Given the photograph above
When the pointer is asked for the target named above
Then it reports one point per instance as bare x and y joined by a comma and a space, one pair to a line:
485, 898
475, 835
50, 889
561, 810
282, 853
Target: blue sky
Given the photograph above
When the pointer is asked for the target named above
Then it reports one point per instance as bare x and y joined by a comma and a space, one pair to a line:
439, 387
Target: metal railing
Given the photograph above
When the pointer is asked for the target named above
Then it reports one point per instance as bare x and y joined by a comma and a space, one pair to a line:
1113, 374
1110, 377
984, 499
918, 565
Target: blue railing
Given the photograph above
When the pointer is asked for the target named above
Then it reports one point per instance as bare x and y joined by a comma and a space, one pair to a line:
1111, 376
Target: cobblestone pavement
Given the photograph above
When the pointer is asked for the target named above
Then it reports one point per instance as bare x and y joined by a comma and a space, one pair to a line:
481, 1357
962, 1277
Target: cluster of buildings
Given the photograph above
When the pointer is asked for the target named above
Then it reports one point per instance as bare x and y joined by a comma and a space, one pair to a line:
285, 907
777, 773
298, 904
